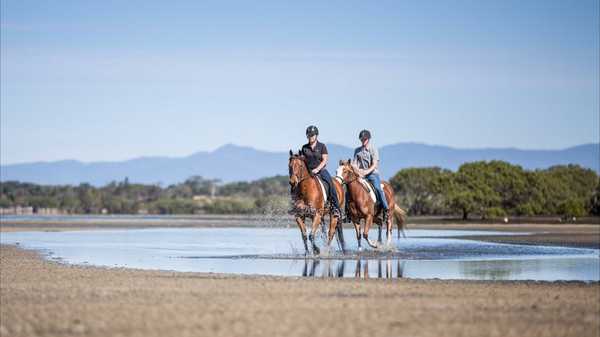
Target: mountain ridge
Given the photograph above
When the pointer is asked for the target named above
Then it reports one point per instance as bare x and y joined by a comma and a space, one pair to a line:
231, 162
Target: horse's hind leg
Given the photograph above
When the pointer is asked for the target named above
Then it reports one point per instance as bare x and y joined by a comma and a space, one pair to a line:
315, 225
302, 226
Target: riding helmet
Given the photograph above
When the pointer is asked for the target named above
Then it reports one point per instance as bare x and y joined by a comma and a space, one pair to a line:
364, 134
312, 131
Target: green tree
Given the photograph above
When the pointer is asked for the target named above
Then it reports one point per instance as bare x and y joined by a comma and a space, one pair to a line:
423, 190
572, 208
595, 201
472, 189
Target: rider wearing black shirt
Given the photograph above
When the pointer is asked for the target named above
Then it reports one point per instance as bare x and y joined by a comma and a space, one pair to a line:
316, 156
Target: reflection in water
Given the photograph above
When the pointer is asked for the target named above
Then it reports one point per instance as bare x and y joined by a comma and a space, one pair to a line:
498, 270
360, 269
533, 269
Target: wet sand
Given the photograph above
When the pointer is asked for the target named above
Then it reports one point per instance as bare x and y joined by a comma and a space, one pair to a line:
44, 298
566, 235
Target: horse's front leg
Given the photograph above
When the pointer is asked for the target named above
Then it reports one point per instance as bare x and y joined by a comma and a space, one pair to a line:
390, 224
302, 226
356, 224
333, 223
368, 224
340, 232
315, 225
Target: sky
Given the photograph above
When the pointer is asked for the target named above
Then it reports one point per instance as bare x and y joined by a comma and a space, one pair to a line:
114, 80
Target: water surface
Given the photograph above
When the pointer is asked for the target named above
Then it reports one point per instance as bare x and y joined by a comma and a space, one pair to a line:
279, 251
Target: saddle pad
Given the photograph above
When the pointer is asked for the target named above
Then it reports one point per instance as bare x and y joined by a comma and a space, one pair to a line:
323, 189
369, 188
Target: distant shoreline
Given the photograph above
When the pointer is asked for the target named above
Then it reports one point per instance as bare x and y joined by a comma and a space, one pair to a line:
255, 219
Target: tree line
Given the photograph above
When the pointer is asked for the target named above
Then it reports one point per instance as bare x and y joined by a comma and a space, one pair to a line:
479, 189
194, 195
496, 189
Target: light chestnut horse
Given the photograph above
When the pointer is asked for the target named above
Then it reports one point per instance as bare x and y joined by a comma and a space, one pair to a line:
363, 207
309, 202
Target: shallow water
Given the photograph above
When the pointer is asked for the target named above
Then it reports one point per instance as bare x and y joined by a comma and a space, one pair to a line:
279, 251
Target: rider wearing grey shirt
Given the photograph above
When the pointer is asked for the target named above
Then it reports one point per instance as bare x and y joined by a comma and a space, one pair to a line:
366, 158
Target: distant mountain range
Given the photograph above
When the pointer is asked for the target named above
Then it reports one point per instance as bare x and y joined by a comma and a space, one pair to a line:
238, 163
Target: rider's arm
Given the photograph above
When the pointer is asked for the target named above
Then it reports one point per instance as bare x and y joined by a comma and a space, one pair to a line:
323, 163
372, 168
324, 157
374, 161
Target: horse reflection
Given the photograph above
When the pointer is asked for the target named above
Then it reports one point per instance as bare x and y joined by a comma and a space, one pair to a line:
337, 268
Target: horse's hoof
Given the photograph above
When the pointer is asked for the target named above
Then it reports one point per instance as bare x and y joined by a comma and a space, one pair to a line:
360, 249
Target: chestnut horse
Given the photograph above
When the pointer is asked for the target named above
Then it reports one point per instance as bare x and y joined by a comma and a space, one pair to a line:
309, 202
362, 206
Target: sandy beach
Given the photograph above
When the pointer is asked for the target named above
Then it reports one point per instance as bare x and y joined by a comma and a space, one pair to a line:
44, 298
41, 298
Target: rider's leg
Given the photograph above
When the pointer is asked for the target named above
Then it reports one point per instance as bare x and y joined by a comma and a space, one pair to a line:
331, 190
376, 181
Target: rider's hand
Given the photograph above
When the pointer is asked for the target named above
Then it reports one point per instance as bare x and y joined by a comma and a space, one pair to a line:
362, 173
314, 171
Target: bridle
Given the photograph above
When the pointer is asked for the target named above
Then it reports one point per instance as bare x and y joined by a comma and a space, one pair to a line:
347, 183
298, 178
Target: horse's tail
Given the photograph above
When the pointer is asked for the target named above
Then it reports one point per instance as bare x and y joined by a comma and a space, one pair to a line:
400, 216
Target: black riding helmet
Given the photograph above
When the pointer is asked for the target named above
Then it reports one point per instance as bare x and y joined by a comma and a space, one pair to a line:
312, 131
364, 134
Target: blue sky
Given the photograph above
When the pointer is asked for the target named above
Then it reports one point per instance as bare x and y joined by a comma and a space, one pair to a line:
111, 80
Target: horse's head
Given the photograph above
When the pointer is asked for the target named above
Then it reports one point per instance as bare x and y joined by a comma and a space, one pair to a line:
297, 169
347, 171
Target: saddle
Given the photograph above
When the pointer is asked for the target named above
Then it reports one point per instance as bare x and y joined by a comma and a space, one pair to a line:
370, 189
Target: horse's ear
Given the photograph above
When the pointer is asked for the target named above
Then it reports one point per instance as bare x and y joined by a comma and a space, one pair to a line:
291, 153
348, 161
341, 162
